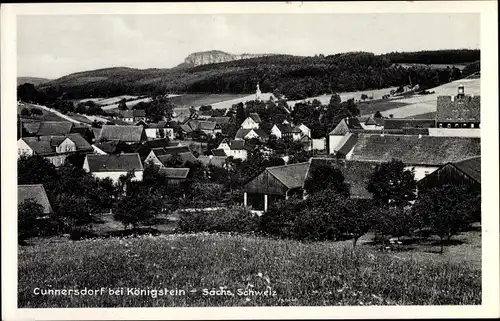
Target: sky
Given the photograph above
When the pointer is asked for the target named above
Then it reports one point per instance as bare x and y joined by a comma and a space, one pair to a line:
54, 46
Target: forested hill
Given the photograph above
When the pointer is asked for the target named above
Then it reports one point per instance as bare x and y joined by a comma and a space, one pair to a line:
295, 77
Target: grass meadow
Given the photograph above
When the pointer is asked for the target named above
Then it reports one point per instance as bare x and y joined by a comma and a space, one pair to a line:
294, 273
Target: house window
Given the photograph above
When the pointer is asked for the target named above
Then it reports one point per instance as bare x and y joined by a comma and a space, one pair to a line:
471, 125
457, 125
440, 125
449, 126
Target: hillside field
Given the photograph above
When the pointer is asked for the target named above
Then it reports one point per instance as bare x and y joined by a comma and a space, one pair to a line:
293, 273
46, 116
197, 100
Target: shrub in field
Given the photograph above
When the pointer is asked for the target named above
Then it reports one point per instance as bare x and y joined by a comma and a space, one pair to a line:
232, 219
393, 221
279, 219
138, 208
326, 177
447, 210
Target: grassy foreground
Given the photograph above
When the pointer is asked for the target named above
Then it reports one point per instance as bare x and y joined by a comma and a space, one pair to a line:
293, 273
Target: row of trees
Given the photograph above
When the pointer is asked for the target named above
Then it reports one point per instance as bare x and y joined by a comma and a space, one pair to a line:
295, 77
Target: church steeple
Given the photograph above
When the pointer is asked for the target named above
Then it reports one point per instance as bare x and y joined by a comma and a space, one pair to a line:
257, 92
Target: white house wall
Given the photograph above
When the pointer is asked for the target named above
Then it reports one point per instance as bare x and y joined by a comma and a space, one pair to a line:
319, 144
249, 123
334, 142
422, 171
23, 148
115, 176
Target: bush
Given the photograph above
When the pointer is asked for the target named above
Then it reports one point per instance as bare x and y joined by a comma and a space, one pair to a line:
232, 219
36, 111
25, 112
79, 233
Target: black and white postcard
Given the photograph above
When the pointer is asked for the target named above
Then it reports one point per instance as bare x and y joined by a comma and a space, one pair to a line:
315, 160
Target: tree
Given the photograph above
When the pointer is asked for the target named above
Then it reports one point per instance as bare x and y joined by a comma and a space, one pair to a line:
122, 105
160, 108
355, 219
392, 221
240, 113
326, 177
206, 108
36, 111
25, 112
35, 170
378, 114
447, 210
138, 208
392, 185
80, 108
28, 214
364, 96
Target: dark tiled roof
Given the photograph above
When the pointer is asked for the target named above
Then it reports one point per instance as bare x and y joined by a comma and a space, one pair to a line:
415, 150
112, 146
220, 120
54, 128
400, 123
80, 142
471, 167
237, 144
465, 109
375, 121
346, 125
35, 192
347, 144
218, 152
241, 133
174, 173
262, 134
255, 117
122, 133
292, 176
114, 163
207, 125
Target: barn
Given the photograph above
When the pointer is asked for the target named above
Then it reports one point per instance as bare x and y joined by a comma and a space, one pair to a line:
466, 172
281, 182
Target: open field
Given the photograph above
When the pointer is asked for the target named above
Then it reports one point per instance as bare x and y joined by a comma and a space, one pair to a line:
197, 100
434, 66
371, 106
424, 104
325, 99
299, 274
423, 116
46, 116
130, 103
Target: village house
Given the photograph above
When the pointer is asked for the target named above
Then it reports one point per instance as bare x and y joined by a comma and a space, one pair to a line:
111, 147
55, 149
281, 182
373, 123
423, 154
114, 166
251, 122
238, 149
36, 192
218, 161
460, 111
209, 128
306, 131
319, 144
287, 132
346, 125
174, 176
244, 134
161, 156
132, 116
160, 129
54, 128
127, 134
466, 172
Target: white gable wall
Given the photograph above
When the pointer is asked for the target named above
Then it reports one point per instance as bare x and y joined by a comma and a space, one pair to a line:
23, 148
249, 123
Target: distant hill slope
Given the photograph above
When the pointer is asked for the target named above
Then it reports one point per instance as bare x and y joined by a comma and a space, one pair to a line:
293, 76
31, 80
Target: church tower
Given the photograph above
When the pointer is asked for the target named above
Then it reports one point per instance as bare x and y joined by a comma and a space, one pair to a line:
258, 92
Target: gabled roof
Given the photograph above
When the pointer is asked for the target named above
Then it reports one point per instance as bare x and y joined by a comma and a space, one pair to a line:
54, 128
345, 126
400, 123
122, 133
80, 142
241, 133
218, 152
237, 144
466, 109
218, 161
255, 117
111, 147
375, 121
206, 125
114, 163
284, 128
471, 167
35, 192
347, 144
292, 176
186, 128
185, 157
261, 133
220, 120
174, 173
415, 150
